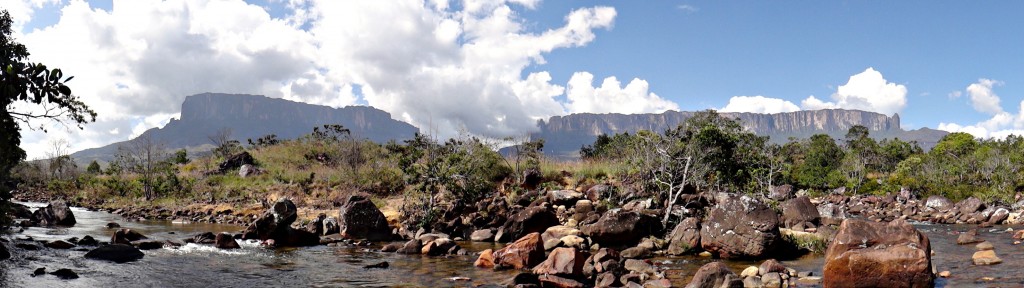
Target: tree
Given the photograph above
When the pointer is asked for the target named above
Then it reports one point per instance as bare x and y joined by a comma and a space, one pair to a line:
42, 89
820, 166
142, 155
524, 155
61, 165
225, 145
180, 157
94, 168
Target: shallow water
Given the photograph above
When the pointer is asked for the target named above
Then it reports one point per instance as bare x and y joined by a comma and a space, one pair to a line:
204, 266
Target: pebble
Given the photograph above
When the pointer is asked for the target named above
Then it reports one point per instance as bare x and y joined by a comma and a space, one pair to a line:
945, 274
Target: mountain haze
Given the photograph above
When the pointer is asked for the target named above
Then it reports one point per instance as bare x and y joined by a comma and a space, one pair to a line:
564, 135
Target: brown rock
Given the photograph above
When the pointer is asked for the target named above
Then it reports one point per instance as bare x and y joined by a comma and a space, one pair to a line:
685, 238
741, 227
549, 280
126, 236
969, 237
714, 275
798, 211
359, 218
59, 244
769, 266
619, 228
870, 254
414, 246
563, 261
986, 257
524, 253
532, 219
226, 241
486, 259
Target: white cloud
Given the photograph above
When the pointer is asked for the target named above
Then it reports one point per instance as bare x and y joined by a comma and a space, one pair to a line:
611, 97
758, 104
985, 100
687, 8
982, 98
21, 11
955, 94
867, 91
424, 61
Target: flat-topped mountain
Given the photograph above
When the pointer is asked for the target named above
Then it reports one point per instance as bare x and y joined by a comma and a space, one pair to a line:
253, 116
564, 135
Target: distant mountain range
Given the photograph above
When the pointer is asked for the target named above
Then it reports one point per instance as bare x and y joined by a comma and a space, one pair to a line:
253, 116
564, 135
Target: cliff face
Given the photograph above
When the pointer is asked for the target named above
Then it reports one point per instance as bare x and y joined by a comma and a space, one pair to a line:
253, 116
564, 135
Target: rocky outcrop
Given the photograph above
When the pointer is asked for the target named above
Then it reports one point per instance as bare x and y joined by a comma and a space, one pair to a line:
524, 253
685, 237
360, 219
118, 253
741, 227
870, 254
56, 213
621, 228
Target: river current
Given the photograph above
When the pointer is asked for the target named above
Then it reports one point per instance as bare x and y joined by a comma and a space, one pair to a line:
322, 266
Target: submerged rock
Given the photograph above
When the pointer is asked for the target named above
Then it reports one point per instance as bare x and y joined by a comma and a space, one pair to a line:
65, 274
878, 255
118, 253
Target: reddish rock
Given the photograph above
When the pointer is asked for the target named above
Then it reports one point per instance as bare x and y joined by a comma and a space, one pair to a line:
714, 275
563, 261
798, 211
769, 266
621, 228
741, 227
524, 253
685, 237
871, 254
553, 281
486, 259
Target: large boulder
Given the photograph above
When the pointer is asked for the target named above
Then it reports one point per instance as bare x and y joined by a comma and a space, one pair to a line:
126, 236
19, 211
274, 227
799, 211
970, 205
714, 275
118, 253
781, 192
360, 219
564, 197
530, 220
524, 253
56, 213
938, 202
832, 214
225, 241
741, 227
871, 254
685, 237
236, 161
621, 228
4, 254
563, 261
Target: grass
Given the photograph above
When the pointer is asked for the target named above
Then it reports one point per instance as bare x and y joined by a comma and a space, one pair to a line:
579, 173
806, 241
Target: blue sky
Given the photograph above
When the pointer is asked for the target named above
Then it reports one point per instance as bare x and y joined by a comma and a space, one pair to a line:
470, 66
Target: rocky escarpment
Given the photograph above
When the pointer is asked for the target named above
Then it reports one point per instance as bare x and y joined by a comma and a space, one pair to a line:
564, 135
253, 116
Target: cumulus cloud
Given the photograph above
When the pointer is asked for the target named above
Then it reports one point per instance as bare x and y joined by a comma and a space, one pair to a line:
444, 68
758, 104
985, 100
867, 91
982, 98
611, 97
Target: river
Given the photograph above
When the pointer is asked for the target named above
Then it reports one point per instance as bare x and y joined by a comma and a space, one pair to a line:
322, 266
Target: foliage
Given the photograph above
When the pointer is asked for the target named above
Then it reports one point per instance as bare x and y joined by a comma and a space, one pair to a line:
93, 168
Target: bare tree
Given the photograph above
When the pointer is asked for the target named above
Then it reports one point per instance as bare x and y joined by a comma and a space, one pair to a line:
771, 167
225, 145
61, 165
142, 155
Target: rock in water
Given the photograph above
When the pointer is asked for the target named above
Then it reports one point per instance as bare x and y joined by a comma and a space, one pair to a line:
870, 254
968, 237
685, 237
563, 261
204, 238
713, 275
620, 228
741, 227
359, 218
522, 254
226, 241
126, 236
986, 257
4, 254
65, 274
118, 253
57, 213
381, 265
59, 244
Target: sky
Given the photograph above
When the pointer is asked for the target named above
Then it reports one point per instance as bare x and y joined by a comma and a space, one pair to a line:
494, 67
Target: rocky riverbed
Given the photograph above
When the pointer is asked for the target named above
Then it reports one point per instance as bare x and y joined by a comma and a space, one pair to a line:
562, 239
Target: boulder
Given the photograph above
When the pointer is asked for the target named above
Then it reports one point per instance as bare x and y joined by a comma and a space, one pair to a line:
769, 266
772, 279
274, 227
316, 226
126, 236
331, 226
226, 241
714, 275
530, 220
938, 202
557, 232
685, 238
4, 254
564, 197
359, 218
236, 162
56, 213
968, 237
88, 241
414, 246
437, 247
482, 235
19, 211
832, 214
148, 244
554, 281
986, 257
970, 205
65, 274
873, 254
248, 170
639, 266
621, 228
637, 253
563, 261
59, 244
532, 178
600, 191
799, 211
524, 253
486, 259
998, 216
118, 253
285, 212
204, 238
781, 192
750, 272
741, 227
